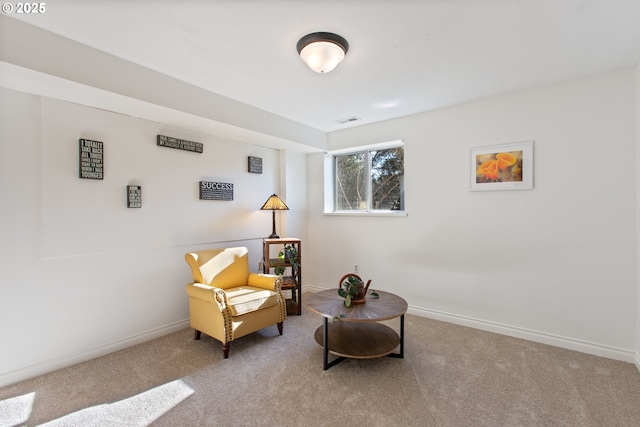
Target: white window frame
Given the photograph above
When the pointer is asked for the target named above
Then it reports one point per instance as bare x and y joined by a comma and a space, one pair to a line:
330, 175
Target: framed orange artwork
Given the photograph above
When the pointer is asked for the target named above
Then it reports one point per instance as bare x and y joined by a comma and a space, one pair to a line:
501, 167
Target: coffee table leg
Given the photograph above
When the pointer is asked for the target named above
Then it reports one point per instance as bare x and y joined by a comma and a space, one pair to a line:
325, 346
325, 343
400, 355
402, 336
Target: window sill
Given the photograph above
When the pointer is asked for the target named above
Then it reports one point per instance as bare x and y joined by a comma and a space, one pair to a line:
366, 213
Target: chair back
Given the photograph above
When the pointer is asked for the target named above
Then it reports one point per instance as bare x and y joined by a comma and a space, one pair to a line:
221, 268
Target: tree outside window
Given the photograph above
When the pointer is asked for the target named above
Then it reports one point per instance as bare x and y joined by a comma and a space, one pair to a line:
370, 180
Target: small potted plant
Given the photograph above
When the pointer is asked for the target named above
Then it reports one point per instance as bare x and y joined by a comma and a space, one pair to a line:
288, 255
352, 289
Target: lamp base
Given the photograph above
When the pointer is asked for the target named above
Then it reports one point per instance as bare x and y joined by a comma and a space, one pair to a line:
274, 235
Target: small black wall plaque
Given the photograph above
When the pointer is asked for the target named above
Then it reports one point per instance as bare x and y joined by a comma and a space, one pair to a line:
216, 191
180, 144
134, 196
255, 164
91, 159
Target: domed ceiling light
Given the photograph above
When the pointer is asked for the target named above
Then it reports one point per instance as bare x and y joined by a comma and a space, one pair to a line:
322, 51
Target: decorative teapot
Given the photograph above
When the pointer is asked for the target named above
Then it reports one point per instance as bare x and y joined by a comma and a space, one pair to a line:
352, 288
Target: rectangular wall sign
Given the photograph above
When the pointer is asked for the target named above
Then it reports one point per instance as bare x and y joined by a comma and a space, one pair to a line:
216, 191
255, 164
180, 144
134, 196
91, 159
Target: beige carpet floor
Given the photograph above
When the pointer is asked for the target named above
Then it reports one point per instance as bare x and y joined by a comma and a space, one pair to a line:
450, 376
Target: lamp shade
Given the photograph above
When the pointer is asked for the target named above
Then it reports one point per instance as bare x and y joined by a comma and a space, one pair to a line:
322, 52
274, 203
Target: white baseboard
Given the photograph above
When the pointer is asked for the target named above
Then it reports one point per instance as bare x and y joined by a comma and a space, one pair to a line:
312, 288
68, 360
541, 337
526, 334
530, 335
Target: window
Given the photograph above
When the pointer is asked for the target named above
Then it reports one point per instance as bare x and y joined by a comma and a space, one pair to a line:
369, 180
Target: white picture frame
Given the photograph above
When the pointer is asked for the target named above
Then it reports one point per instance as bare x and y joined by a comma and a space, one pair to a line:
501, 167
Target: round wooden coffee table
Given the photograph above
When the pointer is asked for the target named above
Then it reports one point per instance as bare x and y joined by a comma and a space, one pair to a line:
354, 332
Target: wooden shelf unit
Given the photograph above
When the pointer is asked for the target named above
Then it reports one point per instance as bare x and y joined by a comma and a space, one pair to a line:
292, 280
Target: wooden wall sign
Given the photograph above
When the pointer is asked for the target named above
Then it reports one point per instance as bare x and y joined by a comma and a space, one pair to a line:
255, 164
91, 164
180, 144
216, 191
134, 196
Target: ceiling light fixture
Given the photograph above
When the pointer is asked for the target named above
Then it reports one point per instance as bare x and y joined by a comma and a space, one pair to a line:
322, 51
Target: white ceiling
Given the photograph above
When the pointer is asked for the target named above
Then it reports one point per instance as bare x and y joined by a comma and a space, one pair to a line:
405, 56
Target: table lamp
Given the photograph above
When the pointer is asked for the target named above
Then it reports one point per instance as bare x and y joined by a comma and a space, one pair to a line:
274, 203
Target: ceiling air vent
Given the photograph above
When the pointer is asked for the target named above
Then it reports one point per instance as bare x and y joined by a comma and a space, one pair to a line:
348, 120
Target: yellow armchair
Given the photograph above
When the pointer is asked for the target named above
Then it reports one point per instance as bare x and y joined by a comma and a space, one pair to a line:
226, 301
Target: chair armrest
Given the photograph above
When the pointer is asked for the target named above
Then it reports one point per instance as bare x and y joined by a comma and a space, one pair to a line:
271, 282
208, 293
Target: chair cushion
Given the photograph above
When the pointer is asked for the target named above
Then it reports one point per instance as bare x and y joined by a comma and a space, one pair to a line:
220, 268
245, 299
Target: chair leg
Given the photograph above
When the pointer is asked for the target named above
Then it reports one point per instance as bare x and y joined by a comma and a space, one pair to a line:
196, 335
280, 327
225, 349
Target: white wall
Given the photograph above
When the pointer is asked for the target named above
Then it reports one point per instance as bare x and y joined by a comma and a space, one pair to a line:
295, 184
555, 264
638, 215
83, 275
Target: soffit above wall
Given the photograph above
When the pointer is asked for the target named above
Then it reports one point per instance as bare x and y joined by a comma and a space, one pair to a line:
49, 65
